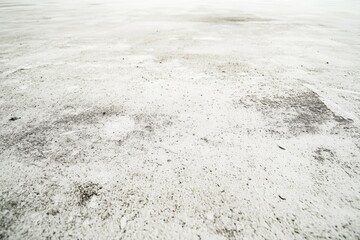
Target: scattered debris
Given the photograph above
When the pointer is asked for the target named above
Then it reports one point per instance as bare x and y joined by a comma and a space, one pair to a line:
14, 118
282, 198
149, 128
281, 147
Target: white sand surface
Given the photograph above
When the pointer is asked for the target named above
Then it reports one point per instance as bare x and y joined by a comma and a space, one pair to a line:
180, 119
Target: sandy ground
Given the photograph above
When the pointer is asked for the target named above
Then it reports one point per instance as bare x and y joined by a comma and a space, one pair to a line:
180, 120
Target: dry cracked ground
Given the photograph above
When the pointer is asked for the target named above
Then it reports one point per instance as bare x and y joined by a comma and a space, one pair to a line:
180, 119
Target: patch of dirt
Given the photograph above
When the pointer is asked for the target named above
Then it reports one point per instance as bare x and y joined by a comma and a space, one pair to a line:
228, 233
62, 140
302, 112
50, 204
328, 162
86, 191
324, 154
9, 213
231, 19
34, 197
151, 122
76, 137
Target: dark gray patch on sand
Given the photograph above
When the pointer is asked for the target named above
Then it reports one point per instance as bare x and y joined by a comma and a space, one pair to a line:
326, 158
324, 154
41, 202
228, 233
302, 112
49, 139
86, 191
89, 117
9, 213
231, 19
30, 197
152, 121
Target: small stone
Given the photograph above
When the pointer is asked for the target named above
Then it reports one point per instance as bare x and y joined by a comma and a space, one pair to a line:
123, 222
14, 118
